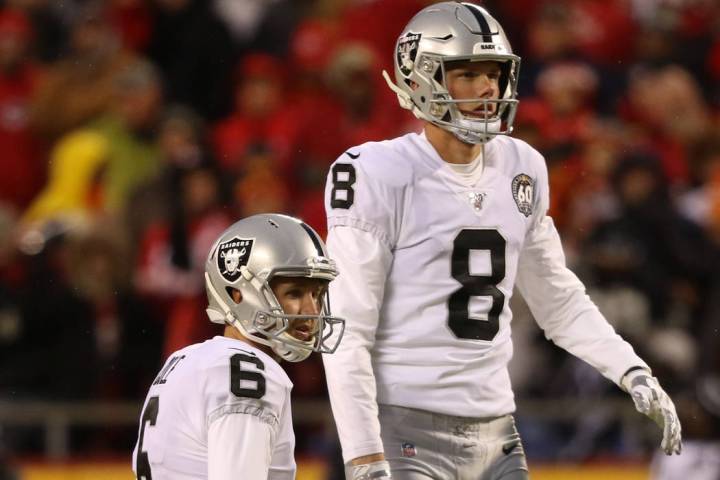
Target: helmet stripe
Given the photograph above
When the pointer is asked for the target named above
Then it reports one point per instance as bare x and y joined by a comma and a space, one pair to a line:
482, 21
314, 238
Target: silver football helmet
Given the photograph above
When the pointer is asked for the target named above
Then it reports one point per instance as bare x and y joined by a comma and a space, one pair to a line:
447, 32
247, 256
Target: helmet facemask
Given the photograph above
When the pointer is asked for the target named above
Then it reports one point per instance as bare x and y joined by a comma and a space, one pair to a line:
324, 331
430, 99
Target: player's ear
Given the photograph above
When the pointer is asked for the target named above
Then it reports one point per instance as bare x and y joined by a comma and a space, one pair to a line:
235, 294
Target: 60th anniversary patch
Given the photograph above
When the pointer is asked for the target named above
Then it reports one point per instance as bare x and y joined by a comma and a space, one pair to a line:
522, 190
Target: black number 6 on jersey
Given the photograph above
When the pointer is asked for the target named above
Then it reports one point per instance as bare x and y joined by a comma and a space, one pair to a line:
343, 178
459, 319
149, 416
246, 383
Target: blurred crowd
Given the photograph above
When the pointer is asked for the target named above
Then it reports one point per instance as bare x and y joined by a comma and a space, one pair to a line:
132, 132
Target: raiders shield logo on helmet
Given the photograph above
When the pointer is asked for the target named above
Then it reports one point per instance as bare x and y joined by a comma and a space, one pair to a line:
232, 255
522, 190
407, 51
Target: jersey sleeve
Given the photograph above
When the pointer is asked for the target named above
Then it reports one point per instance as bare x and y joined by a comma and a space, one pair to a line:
559, 303
282, 463
239, 444
361, 193
357, 294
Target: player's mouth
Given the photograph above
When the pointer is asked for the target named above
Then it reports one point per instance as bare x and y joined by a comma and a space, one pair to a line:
482, 112
303, 333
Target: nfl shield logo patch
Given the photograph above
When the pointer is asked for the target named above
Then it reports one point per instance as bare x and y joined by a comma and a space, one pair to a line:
233, 254
408, 450
407, 51
476, 200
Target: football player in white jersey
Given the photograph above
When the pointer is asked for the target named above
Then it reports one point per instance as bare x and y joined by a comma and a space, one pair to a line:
432, 232
220, 409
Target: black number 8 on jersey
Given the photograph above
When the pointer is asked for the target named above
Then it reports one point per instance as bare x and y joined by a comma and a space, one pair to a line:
343, 178
459, 319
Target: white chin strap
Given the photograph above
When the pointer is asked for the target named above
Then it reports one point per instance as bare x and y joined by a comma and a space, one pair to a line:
288, 353
468, 130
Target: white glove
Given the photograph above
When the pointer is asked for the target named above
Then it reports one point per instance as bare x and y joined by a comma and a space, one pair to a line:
651, 400
379, 470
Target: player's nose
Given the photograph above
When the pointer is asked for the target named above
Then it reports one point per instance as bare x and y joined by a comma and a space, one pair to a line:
484, 87
310, 304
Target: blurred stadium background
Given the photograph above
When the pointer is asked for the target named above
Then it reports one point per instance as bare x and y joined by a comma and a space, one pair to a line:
133, 131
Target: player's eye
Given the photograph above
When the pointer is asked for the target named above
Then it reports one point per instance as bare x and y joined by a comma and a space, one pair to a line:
294, 293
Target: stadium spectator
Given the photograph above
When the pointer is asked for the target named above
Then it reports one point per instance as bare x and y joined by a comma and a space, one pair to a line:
195, 53
172, 252
124, 337
79, 86
258, 187
649, 246
182, 145
95, 168
669, 114
22, 159
262, 114
132, 21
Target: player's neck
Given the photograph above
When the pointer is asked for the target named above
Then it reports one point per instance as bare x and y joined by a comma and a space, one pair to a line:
449, 147
231, 332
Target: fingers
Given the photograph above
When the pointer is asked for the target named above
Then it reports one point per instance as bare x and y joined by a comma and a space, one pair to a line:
672, 437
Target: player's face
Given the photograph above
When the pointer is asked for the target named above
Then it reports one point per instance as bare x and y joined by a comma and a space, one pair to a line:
474, 80
300, 296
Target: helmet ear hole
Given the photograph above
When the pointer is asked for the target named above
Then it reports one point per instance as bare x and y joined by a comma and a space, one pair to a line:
234, 293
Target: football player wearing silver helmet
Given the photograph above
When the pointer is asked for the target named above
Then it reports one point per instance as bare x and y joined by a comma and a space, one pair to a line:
434, 231
448, 37
242, 274
221, 409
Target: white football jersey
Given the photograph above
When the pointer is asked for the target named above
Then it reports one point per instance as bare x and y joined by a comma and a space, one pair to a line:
428, 261
218, 410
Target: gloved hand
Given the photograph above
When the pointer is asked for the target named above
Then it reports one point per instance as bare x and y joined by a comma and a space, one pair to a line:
650, 399
379, 470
